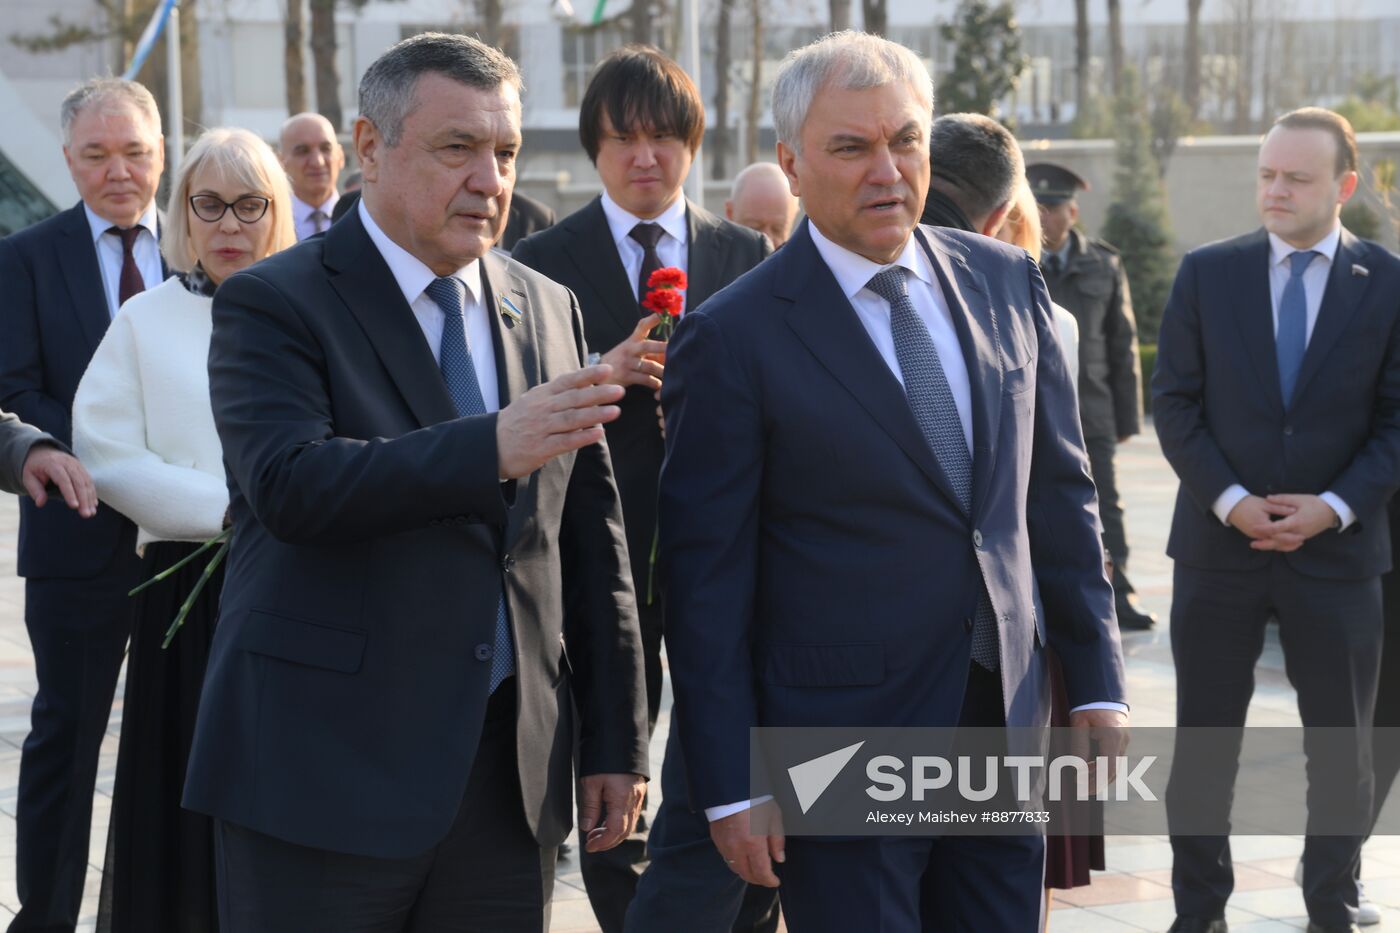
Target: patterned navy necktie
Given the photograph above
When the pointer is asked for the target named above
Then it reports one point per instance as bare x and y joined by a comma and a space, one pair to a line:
931, 401
459, 372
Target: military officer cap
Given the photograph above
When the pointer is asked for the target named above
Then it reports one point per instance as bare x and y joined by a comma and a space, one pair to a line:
1053, 184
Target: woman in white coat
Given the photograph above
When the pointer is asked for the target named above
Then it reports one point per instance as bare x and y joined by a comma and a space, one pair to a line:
144, 428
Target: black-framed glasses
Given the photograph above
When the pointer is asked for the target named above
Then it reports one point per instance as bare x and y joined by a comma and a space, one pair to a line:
249, 209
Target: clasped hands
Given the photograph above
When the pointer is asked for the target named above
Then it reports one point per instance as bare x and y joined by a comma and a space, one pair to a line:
1281, 522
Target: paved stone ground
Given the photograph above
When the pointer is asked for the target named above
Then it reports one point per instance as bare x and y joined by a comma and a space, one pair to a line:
1133, 895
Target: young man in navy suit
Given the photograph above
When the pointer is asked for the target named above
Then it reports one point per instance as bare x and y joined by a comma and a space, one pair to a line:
1277, 402
64, 280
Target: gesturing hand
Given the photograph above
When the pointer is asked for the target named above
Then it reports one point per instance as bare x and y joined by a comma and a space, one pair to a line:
608, 807
561, 415
47, 464
636, 361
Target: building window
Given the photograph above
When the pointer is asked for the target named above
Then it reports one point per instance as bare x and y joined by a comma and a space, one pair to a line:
582, 50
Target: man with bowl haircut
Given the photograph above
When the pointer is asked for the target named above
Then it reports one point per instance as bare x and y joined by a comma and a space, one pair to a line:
640, 122
949, 532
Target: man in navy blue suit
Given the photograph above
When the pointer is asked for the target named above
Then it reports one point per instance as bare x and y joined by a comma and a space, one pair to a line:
1277, 401
64, 280
876, 504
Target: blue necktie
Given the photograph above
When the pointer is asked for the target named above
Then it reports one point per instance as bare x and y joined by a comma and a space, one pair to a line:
458, 371
1292, 338
931, 401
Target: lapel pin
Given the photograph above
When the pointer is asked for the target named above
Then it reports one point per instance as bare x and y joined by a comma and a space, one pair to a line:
1358, 269
508, 310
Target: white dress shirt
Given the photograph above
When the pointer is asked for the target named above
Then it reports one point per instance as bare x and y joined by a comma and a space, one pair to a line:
413, 278
301, 216
146, 251
671, 248
852, 272
1314, 285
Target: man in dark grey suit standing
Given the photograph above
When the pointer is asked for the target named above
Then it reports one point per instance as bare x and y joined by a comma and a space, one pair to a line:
428, 575
1277, 401
640, 122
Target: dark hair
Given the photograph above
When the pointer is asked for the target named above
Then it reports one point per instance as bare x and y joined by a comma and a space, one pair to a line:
389, 84
1319, 118
638, 86
975, 162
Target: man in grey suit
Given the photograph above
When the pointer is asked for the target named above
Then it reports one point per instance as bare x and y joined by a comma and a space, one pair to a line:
428, 612
1277, 402
30, 460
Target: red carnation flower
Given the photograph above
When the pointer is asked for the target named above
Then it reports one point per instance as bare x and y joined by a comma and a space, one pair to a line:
666, 301
667, 277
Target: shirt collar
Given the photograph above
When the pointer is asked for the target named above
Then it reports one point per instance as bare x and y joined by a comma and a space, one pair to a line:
408, 270
620, 222
101, 225
854, 271
1327, 246
301, 211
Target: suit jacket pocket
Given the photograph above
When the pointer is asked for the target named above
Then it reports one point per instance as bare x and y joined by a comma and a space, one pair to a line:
301, 642
849, 665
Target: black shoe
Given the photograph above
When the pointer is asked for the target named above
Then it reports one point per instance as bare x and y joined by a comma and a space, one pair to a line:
1197, 925
1133, 619
1348, 928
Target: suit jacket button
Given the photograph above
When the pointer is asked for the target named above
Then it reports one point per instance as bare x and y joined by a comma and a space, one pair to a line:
967, 624
484, 652
1288, 430
976, 538
507, 563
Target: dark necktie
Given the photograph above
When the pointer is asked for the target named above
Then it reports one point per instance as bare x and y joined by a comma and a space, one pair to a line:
1292, 338
648, 235
459, 372
931, 400
131, 282
318, 220
1051, 265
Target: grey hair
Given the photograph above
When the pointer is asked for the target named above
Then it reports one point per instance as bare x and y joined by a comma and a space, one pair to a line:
388, 86
975, 161
847, 60
106, 91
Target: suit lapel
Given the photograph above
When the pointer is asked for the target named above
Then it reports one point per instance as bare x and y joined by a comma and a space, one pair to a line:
705, 256
363, 281
1339, 304
517, 362
1254, 312
965, 291
593, 251
77, 257
825, 322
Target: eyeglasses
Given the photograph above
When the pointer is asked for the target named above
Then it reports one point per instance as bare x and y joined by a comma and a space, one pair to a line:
249, 209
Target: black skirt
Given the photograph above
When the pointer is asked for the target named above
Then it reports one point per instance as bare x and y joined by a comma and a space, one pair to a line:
159, 872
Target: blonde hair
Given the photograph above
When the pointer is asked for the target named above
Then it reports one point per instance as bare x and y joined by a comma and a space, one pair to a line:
244, 158
1023, 221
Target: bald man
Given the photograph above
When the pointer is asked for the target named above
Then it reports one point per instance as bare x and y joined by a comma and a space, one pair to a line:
762, 201
312, 158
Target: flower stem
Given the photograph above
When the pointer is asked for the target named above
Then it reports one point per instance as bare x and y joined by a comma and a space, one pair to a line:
209, 569
219, 538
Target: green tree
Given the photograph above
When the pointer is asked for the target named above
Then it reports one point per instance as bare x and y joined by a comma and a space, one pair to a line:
1137, 223
987, 58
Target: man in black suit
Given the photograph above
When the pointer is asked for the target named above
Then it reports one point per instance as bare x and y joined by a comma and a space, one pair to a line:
64, 280
1277, 401
527, 216
640, 122
427, 575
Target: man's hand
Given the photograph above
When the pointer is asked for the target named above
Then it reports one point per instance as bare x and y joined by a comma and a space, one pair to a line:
637, 361
608, 807
748, 855
1310, 516
561, 415
1109, 728
1254, 516
47, 464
